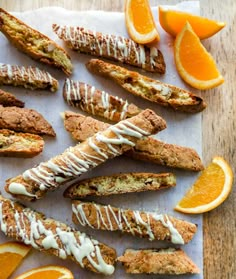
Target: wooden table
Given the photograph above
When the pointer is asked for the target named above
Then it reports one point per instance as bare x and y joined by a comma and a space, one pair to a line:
219, 136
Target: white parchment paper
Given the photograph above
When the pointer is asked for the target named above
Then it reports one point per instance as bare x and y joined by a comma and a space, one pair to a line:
183, 129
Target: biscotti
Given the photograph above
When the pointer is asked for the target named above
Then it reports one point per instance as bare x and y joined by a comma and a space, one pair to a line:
24, 145
28, 77
169, 261
97, 102
54, 237
9, 100
120, 184
147, 88
33, 43
74, 161
148, 149
138, 223
112, 47
24, 120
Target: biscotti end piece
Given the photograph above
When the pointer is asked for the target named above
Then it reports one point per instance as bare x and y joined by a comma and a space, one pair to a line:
147, 88
28, 77
54, 237
153, 261
9, 100
112, 47
176, 156
119, 184
33, 43
138, 223
97, 102
24, 120
74, 161
23, 145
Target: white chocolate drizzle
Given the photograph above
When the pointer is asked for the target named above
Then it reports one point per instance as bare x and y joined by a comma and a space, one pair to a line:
76, 161
110, 46
79, 94
28, 227
25, 76
118, 217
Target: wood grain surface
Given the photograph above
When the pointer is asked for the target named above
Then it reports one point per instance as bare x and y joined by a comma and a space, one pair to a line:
218, 120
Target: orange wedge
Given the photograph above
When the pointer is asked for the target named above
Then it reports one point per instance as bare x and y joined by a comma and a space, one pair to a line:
47, 272
172, 21
139, 22
11, 255
211, 188
194, 64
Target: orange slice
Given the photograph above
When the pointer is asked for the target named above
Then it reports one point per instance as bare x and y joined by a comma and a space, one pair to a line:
139, 22
47, 272
172, 21
11, 255
195, 65
210, 189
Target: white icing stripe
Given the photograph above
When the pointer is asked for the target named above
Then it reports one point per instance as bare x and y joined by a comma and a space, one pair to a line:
28, 228
137, 226
82, 95
110, 46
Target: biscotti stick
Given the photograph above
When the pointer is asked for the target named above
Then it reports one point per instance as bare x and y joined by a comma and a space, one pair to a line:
24, 120
32, 42
24, 145
139, 223
28, 77
9, 100
147, 88
54, 237
158, 261
112, 47
74, 161
148, 149
97, 102
120, 184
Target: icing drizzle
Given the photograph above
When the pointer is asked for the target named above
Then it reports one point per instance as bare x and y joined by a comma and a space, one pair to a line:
25, 76
107, 215
28, 227
79, 94
110, 46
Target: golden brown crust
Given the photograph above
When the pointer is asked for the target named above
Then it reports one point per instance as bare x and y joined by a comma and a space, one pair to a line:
24, 120
139, 223
74, 161
148, 149
28, 77
8, 100
147, 88
33, 43
97, 102
112, 47
119, 184
24, 145
51, 236
163, 261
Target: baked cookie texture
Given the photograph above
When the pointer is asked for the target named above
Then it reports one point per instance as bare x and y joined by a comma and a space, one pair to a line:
25, 145
97, 102
148, 88
28, 77
24, 120
9, 100
120, 184
158, 261
74, 161
54, 237
33, 43
112, 47
153, 226
148, 149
